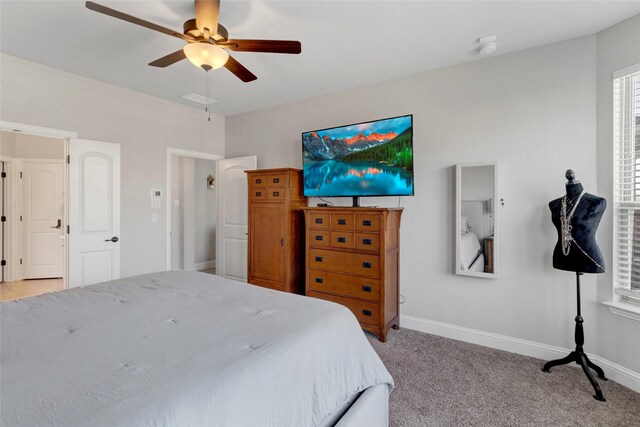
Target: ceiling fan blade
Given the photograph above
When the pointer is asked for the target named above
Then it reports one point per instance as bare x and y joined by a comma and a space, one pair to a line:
170, 59
269, 46
207, 12
116, 14
239, 70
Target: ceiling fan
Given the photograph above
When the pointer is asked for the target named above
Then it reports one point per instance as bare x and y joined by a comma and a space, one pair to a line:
207, 40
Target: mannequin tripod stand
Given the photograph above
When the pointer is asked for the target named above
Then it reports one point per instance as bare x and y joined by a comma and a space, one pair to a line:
578, 355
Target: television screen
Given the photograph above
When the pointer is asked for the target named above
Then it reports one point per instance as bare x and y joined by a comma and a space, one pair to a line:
364, 159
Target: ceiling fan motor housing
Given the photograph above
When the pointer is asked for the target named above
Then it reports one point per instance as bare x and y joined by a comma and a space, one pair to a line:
190, 29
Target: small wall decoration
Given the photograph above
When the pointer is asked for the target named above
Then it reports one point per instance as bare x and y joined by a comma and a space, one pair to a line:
210, 182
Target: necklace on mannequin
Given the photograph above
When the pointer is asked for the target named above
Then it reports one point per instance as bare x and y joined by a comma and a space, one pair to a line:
565, 221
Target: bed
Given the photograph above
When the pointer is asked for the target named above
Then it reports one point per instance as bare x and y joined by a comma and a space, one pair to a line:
186, 349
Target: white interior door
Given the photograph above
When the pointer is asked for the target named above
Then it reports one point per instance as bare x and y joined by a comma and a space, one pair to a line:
94, 212
233, 205
42, 217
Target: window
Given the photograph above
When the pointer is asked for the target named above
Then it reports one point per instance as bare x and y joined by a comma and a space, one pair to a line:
626, 182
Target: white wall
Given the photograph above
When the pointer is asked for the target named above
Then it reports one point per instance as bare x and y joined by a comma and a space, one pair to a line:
618, 47
535, 112
204, 213
193, 221
8, 144
38, 147
176, 213
25, 146
145, 126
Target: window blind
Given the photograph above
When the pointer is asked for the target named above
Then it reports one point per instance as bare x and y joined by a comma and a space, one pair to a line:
626, 191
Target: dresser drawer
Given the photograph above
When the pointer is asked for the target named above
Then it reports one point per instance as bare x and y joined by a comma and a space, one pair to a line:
258, 194
277, 180
365, 311
344, 285
341, 221
272, 180
257, 181
319, 238
318, 220
342, 239
367, 222
367, 241
275, 193
345, 262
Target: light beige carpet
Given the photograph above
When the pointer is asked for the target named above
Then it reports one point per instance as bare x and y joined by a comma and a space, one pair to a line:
443, 382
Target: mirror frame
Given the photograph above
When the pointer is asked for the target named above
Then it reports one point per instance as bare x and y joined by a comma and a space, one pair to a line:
496, 221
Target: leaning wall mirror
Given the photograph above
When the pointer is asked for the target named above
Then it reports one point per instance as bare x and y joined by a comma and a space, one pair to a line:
477, 220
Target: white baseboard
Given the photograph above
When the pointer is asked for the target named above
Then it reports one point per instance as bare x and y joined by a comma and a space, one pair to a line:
204, 265
619, 374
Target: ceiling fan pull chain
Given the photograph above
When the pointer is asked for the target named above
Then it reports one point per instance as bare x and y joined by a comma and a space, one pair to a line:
208, 96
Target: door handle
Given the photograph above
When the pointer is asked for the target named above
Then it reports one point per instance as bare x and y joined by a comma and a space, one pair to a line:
113, 239
59, 226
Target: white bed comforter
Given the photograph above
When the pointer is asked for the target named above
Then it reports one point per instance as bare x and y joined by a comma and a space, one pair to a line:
179, 349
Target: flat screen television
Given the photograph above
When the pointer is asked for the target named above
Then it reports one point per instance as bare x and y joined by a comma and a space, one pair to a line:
363, 159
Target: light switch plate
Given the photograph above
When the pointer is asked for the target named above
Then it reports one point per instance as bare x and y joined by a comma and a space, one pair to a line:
155, 203
154, 218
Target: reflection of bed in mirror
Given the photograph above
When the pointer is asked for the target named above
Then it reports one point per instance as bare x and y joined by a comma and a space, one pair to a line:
477, 227
471, 256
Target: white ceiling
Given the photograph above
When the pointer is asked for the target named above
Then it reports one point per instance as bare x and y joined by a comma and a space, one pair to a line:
345, 44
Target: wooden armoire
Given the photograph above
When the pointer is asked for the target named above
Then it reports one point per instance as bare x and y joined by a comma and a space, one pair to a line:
276, 229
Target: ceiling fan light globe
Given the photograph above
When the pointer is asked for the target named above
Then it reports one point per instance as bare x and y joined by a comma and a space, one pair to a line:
205, 55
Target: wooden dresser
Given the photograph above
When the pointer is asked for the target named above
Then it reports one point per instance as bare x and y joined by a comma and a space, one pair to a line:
276, 229
353, 260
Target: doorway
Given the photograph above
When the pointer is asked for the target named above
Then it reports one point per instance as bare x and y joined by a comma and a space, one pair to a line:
88, 167
33, 213
191, 211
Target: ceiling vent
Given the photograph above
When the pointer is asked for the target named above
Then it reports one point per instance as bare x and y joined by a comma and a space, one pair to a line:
194, 97
487, 45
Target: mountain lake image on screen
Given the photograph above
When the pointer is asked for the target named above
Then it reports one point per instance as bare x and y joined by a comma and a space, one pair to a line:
366, 159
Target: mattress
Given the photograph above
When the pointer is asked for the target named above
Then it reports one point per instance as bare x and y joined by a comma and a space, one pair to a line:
177, 349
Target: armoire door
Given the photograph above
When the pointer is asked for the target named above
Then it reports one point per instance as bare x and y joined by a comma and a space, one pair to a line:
267, 241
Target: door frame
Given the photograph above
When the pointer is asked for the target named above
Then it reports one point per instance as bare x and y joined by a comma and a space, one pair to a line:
14, 272
181, 153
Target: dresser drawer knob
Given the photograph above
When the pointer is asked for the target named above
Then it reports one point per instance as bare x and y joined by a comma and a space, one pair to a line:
258, 181
366, 241
366, 222
276, 180
367, 312
258, 193
366, 289
318, 220
276, 193
366, 265
342, 221
319, 280
319, 237
318, 259
342, 239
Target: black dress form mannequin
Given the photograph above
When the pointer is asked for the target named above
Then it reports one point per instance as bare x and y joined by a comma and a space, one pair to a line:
580, 252
576, 217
